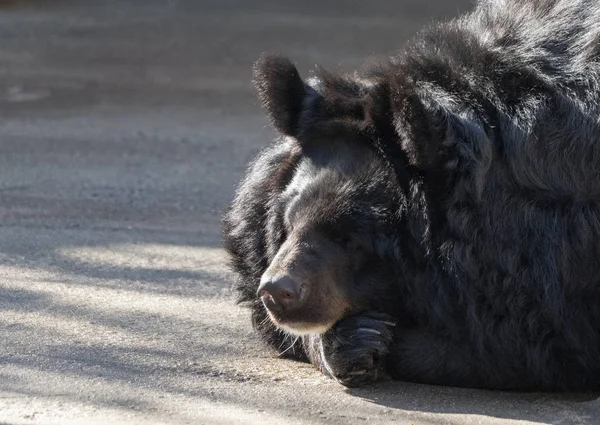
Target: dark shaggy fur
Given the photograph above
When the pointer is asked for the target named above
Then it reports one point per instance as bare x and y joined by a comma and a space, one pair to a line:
462, 180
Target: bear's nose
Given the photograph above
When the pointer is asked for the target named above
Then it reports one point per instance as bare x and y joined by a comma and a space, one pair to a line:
280, 293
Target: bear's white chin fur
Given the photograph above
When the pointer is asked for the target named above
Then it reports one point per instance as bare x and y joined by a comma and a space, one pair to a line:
303, 329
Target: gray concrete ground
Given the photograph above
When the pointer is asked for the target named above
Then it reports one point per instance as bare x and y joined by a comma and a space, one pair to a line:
124, 127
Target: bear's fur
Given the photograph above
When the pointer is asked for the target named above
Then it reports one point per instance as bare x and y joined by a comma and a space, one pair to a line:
442, 210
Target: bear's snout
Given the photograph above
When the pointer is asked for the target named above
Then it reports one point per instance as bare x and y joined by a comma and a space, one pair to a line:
280, 293
301, 289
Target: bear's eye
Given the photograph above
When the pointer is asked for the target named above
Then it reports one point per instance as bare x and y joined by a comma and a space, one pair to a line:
348, 242
342, 240
338, 237
355, 246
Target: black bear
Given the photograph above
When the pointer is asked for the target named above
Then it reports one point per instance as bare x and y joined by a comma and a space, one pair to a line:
435, 218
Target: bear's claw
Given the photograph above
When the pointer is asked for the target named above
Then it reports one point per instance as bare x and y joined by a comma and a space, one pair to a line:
354, 347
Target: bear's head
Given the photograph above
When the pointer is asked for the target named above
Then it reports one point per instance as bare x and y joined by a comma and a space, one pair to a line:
332, 230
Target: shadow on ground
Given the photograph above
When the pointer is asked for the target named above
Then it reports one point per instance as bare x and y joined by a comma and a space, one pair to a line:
131, 323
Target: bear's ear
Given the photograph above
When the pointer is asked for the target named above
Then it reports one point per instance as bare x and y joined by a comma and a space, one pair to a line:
281, 91
419, 123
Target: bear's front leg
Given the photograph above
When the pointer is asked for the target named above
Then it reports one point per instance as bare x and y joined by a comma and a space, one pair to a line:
352, 352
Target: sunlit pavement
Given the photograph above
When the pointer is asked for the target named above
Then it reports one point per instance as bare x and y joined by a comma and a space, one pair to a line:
124, 127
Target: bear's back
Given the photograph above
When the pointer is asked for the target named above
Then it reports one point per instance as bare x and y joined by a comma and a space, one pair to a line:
532, 68
550, 119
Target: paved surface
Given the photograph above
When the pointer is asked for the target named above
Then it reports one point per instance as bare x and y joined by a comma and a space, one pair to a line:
124, 127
